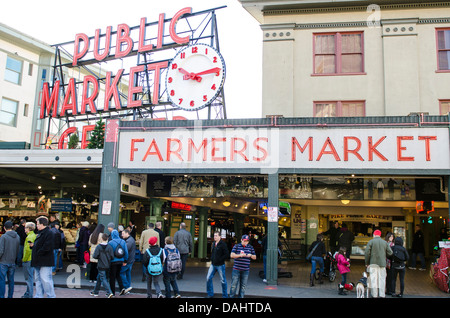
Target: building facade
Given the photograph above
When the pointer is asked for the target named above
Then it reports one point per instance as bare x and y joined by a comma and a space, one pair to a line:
353, 58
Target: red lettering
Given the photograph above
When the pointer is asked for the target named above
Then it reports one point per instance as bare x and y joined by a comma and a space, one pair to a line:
191, 146
142, 47
295, 143
133, 149
332, 150
97, 55
156, 152
63, 136
352, 151
241, 151
77, 53
176, 152
86, 129
259, 148
123, 37
111, 90
427, 145
85, 100
400, 148
214, 149
157, 67
173, 23
134, 89
372, 149
70, 100
49, 104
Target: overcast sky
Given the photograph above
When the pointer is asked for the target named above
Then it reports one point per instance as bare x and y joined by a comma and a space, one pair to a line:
57, 21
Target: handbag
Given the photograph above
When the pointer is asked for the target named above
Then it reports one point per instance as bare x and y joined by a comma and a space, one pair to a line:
308, 258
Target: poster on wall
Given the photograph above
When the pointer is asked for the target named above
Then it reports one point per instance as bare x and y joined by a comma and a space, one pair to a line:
134, 184
237, 186
338, 188
192, 186
159, 185
293, 187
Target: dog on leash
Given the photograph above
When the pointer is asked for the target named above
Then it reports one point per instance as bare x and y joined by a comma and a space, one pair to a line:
362, 287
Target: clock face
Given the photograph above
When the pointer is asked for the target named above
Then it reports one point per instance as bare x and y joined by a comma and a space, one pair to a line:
195, 77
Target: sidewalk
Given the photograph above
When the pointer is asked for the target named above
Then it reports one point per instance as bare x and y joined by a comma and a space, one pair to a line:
193, 285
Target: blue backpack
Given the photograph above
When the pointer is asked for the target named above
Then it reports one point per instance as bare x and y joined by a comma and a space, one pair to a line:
154, 266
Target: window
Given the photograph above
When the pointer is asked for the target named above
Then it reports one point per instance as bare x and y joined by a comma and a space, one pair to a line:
25, 110
338, 53
8, 111
340, 109
443, 49
13, 71
444, 107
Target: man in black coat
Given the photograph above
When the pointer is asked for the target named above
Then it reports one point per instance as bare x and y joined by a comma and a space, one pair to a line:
418, 249
43, 259
219, 253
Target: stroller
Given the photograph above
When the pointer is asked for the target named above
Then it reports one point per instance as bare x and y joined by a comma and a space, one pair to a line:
330, 266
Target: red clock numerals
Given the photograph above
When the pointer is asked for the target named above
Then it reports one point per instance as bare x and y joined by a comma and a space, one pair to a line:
174, 66
172, 92
170, 80
205, 98
194, 49
180, 101
214, 87
192, 104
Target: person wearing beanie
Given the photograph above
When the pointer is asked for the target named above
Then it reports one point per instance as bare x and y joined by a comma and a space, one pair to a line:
153, 250
377, 251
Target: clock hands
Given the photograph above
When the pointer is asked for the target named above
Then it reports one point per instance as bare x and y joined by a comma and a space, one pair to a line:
196, 76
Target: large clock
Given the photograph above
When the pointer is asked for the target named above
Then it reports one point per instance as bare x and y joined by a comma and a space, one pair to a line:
195, 77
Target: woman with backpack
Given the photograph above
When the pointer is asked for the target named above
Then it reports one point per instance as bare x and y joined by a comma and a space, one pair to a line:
153, 259
399, 257
172, 266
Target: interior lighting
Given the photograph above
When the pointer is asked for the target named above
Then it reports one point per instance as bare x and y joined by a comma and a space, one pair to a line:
226, 203
345, 201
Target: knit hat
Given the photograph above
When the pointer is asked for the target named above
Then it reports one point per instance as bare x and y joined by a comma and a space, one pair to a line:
152, 241
377, 233
111, 225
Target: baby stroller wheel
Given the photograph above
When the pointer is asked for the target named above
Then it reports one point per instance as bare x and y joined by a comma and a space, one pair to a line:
332, 276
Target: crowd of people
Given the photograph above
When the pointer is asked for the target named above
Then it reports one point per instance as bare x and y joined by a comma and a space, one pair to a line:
385, 259
109, 253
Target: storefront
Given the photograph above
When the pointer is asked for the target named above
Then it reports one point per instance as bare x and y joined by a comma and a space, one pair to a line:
324, 168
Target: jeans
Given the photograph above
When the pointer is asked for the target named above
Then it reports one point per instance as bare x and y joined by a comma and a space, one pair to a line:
55, 254
170, 279
28, 273
421, 257
401, 275
183, 264
102, 281
223, 280
7, 271
155, 280
125, 274
238, 280
314, 261
44, 282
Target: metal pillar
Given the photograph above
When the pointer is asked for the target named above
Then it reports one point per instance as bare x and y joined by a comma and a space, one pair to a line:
110, 180
272, 234
202, 239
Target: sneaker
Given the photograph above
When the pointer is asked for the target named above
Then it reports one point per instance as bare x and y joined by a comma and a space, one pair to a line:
177, 296
122, 292
411, 267
127, 291
160, 295
109, 295
264, 280
93, 294
422, 269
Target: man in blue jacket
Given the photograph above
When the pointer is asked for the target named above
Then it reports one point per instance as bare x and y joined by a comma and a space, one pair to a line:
120, 257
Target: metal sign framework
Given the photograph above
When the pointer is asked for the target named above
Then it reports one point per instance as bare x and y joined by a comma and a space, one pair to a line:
200, 26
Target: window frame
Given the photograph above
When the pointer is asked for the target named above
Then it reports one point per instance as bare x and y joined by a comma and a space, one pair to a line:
19, 82
338, 53
15, 114
441, 101
438, 70
338, 107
